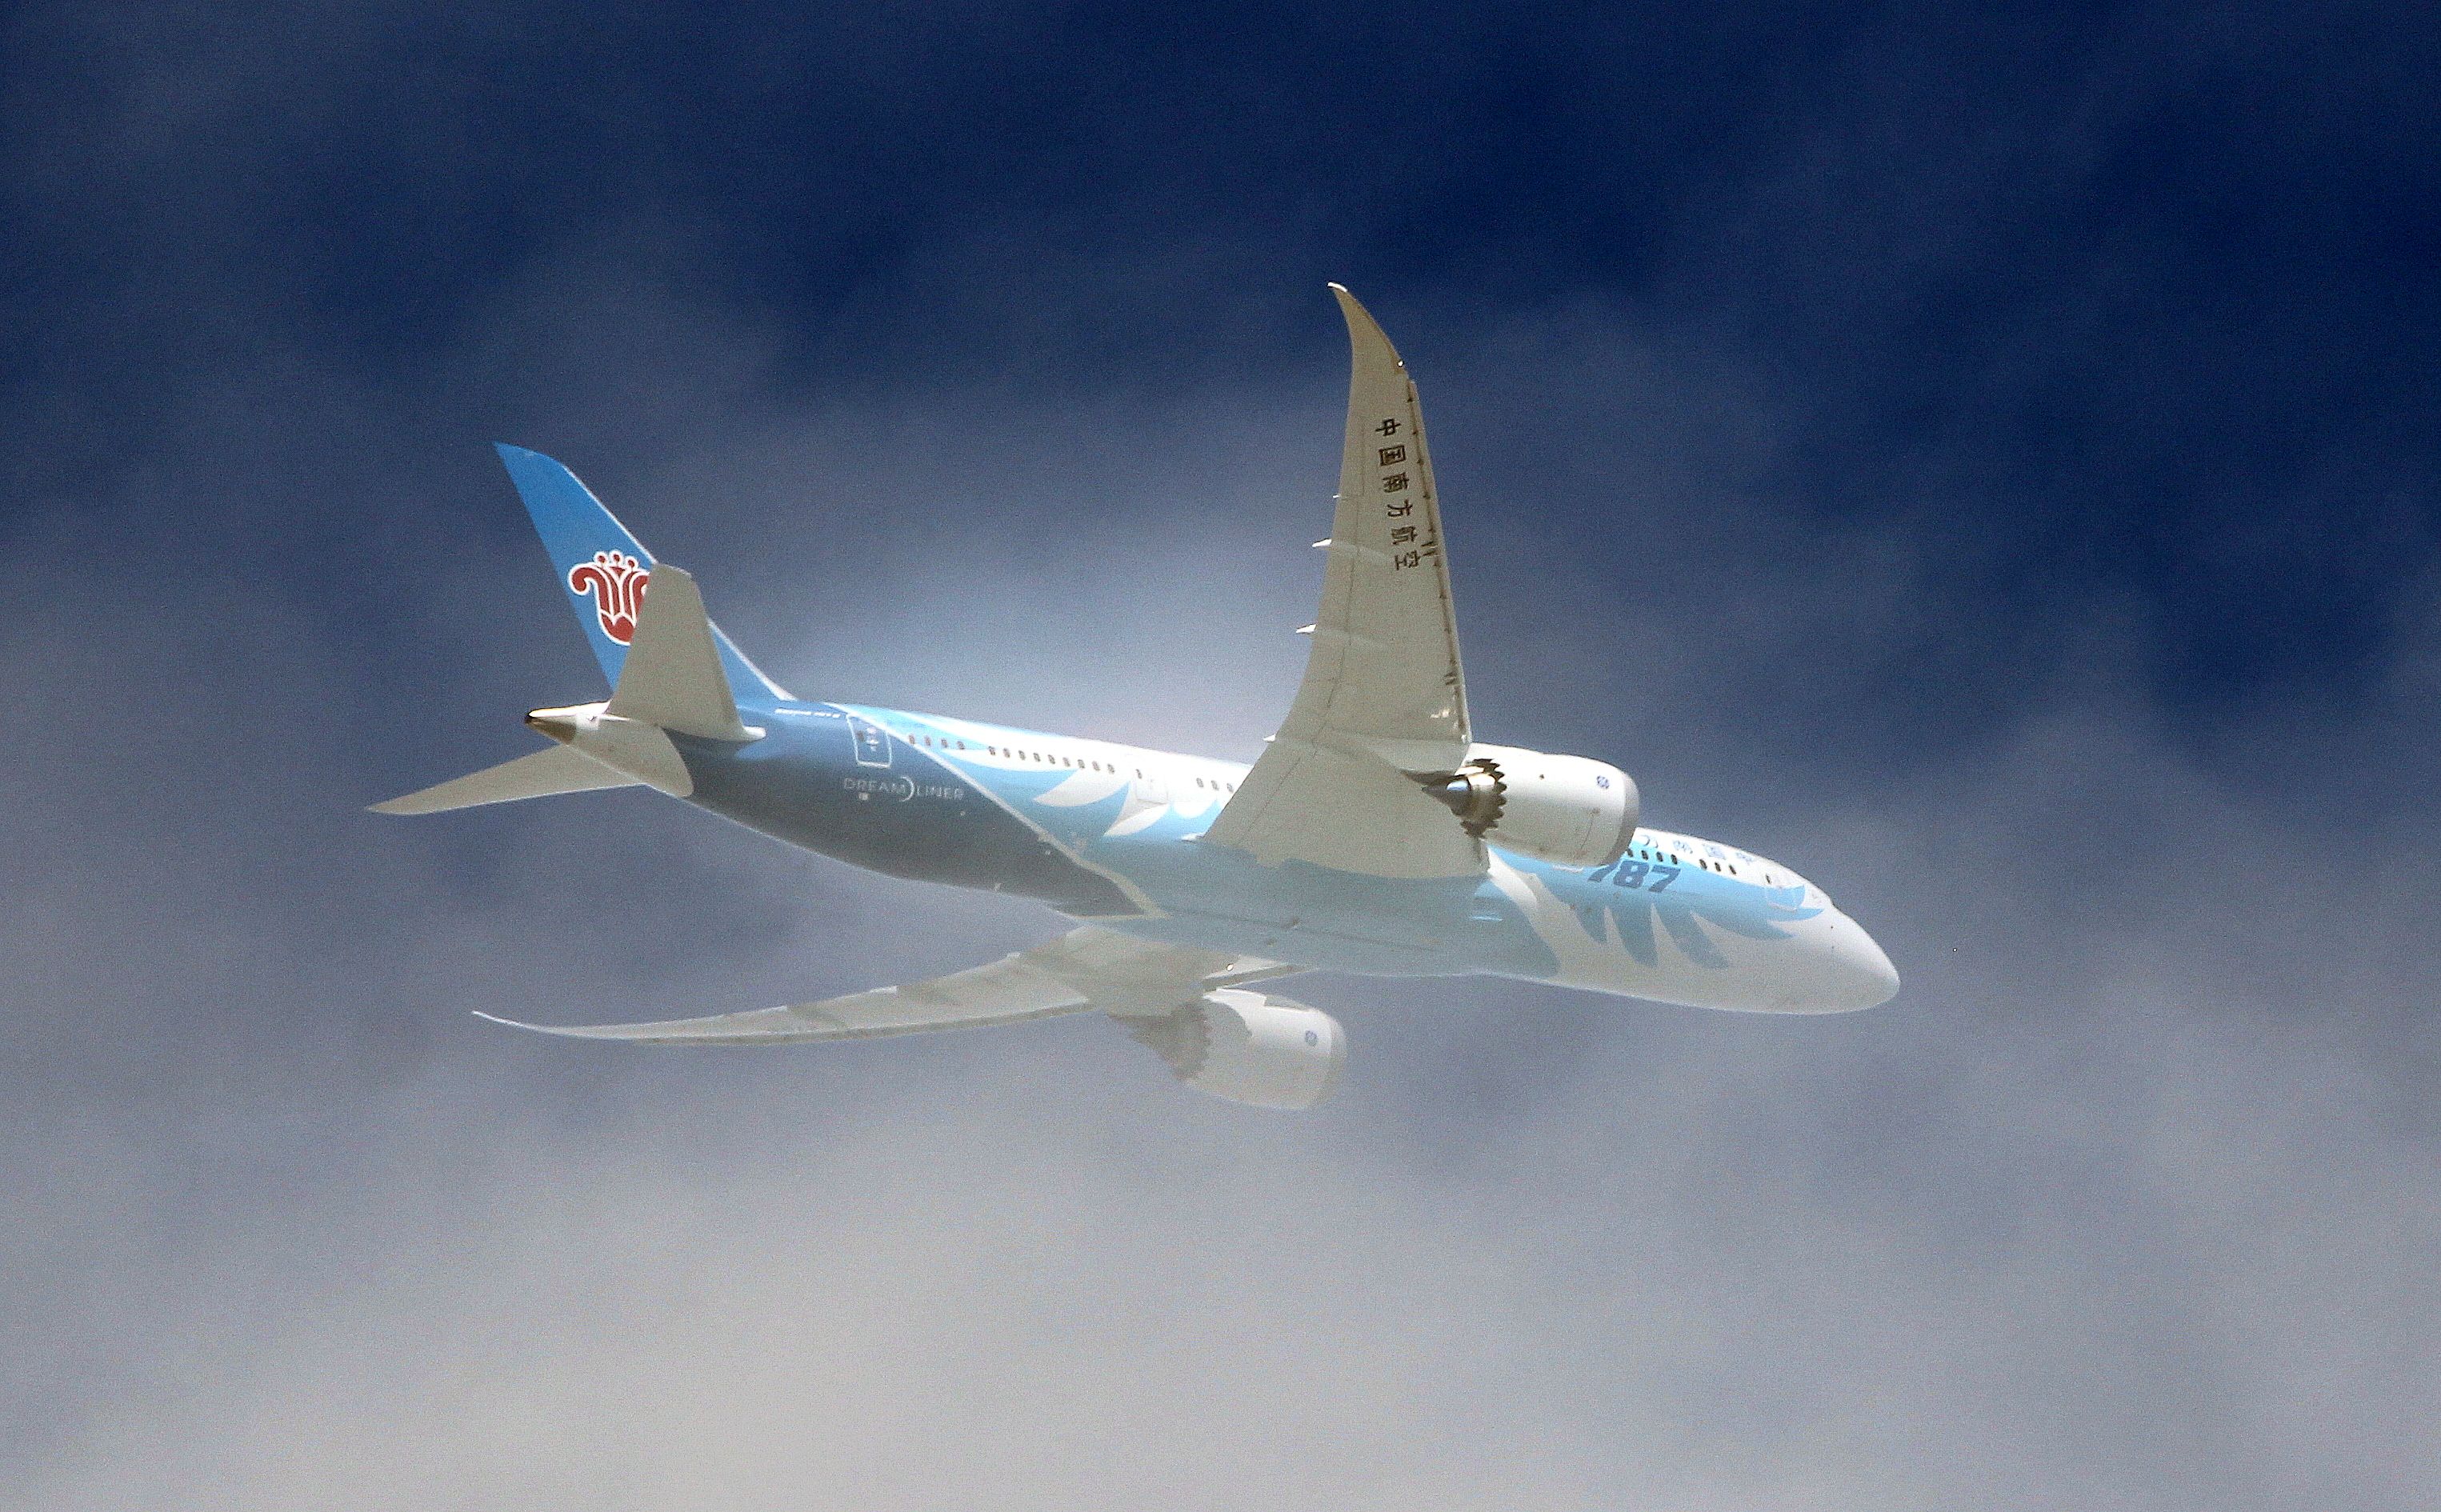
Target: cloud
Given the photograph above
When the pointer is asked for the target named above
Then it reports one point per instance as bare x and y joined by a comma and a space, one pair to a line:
2124, 1201
2122, 1195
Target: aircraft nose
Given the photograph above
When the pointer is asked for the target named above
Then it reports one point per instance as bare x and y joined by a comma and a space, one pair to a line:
1862, 976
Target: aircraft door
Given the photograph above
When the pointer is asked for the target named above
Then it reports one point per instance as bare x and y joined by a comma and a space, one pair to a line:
872, 742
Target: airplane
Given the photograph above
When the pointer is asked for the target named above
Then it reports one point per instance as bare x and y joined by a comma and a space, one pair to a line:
1373, 835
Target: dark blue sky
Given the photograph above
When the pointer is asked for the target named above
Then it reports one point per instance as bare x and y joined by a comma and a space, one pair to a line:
1987, 457
2127, 306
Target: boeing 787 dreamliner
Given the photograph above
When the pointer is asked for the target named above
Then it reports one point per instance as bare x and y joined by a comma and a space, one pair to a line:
1374, 833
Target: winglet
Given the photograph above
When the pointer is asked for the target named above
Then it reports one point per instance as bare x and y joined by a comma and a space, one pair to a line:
564, 1033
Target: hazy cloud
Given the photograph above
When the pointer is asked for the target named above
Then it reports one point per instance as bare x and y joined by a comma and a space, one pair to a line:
1812, 485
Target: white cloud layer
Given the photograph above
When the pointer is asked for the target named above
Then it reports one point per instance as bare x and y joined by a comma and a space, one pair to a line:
2127, 1201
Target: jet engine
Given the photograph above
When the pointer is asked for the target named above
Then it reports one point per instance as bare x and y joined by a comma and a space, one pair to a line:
1250, 1047
1566, 810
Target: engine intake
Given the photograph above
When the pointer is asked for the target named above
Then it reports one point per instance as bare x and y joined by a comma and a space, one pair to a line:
1250, 1047
1567, 810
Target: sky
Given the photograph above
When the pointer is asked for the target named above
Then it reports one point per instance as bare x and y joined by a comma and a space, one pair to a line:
1983, 458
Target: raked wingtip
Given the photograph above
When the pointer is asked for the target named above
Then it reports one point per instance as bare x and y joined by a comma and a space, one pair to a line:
495, 1018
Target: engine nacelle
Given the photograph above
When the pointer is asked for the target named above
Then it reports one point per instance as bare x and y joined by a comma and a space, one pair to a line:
1250, 1047
1566, 810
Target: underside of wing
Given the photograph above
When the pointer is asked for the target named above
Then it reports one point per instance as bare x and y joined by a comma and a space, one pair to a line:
1088, 968
1384, 699
1349, 811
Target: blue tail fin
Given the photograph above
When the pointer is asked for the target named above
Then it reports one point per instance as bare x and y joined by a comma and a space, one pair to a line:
602, 568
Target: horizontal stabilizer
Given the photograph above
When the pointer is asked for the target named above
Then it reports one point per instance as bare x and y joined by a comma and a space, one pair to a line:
672, 677
557, 769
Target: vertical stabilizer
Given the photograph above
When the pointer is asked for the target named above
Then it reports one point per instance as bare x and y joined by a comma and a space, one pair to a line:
605, 571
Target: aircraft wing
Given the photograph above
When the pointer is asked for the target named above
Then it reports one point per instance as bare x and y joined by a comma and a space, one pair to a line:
1384, 694
1087, 968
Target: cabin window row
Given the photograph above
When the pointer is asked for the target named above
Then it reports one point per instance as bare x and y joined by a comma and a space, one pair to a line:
1650, 851
1012, 753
